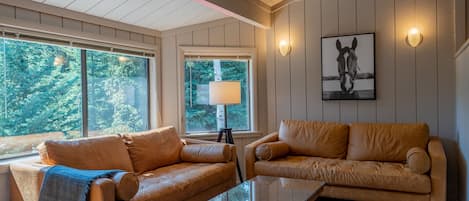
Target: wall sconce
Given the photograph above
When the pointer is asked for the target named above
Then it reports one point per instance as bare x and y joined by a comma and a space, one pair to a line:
284, 47
414, 37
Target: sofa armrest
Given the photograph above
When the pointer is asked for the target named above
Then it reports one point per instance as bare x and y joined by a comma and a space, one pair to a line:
189, 141
126, 185
26, 180
206, 153
250, 153
438, 169
102, 189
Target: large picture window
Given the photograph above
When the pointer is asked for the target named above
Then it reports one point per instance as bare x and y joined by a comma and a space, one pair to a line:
41, 94
202, 117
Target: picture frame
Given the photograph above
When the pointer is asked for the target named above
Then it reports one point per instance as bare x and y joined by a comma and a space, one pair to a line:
348, 69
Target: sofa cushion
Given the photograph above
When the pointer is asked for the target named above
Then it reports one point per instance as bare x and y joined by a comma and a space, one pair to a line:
271, 150
313, 138
418, 160
97, 153
153, 149
182, 181
365, 174
206, 153
385, 142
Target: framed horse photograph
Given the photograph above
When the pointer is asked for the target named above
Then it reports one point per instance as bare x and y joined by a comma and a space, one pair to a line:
348, 67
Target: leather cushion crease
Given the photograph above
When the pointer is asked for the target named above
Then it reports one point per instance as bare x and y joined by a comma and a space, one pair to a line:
311, 138
366, 174
385, 142
181, 181
153, 149
95, 153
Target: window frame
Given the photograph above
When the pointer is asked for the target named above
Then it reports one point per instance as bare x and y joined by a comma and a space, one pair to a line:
151, 81
184, 51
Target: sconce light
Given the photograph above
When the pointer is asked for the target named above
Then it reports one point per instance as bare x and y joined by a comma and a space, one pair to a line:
284, 47
414, 37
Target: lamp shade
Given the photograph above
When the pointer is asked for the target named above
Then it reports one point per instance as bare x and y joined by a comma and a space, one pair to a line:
225, 92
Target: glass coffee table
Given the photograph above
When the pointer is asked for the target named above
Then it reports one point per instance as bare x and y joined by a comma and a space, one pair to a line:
266, 188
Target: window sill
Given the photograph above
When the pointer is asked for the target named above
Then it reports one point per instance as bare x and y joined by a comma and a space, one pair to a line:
5, 164
213, 136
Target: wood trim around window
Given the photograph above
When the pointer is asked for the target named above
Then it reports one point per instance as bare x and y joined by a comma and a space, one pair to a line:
217, 51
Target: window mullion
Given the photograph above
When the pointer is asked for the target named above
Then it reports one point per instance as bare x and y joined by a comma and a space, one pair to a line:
84, 93
148, 95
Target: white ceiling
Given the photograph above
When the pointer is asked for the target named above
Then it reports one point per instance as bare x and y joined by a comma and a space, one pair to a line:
154, 14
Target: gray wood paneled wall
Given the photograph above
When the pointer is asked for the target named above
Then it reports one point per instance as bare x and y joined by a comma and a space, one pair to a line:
413, 84
461, 22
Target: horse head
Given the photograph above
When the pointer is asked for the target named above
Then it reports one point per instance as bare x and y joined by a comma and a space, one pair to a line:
341, 63
352, 60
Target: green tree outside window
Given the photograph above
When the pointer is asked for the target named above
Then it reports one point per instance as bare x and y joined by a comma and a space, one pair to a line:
202, 117
41, 94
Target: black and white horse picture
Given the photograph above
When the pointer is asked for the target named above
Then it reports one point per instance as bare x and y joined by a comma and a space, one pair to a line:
349, 75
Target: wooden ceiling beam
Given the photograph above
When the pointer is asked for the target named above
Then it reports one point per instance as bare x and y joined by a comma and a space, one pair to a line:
250, 11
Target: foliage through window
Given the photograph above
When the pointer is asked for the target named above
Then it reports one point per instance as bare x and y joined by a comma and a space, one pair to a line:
202, 117
41, 94
117, 93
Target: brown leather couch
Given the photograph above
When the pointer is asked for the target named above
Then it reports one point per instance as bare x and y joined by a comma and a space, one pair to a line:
157, 165
360, 161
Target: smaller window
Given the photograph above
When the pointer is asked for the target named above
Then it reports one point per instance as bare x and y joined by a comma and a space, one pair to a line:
200, 117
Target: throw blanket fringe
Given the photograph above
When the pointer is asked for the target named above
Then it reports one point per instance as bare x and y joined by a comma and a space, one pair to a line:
63, 183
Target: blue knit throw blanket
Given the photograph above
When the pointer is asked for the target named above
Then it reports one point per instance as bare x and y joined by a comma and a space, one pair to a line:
68, 184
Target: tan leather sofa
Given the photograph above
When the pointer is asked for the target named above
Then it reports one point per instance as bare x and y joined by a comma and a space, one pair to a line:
158, 165
360, 161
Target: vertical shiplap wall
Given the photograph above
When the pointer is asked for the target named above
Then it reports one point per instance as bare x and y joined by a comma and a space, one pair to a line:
461, 21
413, 84
467, 19
221, 33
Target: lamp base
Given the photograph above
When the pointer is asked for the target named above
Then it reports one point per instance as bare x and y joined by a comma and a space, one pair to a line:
229, 140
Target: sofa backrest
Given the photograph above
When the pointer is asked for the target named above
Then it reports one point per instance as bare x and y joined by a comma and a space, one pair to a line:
107, 152
314, 138
385, 142
152, 149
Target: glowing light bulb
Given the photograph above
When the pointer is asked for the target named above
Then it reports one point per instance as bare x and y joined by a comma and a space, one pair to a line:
284, 47
414, 37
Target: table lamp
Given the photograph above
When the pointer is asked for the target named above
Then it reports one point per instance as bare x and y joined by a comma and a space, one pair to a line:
226, 93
